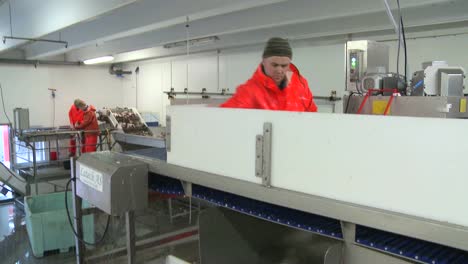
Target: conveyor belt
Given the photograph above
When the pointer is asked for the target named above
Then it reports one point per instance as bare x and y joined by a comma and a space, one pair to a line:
273, 213
12, 180
419, 250
165, 185
286, 216
406, 247
154, 153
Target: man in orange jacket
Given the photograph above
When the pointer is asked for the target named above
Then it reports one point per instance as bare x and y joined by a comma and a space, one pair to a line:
75, 115
89, 125
276, 84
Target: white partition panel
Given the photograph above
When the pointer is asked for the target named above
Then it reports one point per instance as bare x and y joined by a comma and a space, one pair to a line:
414, 166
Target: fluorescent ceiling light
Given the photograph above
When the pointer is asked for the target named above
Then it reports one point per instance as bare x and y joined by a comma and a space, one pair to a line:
98, 60
192, 42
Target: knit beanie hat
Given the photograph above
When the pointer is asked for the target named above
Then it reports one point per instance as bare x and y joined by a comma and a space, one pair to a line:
79, 103
277, 47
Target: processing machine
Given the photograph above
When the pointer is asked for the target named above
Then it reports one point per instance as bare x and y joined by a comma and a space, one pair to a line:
370, 200
435, 91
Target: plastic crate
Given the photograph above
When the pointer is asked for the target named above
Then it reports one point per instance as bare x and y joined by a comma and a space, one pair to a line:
47, 224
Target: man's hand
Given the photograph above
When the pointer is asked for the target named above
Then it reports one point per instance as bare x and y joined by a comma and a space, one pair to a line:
289, 75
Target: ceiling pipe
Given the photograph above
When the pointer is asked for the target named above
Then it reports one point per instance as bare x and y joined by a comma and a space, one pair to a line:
36, 40
36, 63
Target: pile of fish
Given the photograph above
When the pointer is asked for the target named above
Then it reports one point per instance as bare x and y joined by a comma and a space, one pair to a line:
128, 119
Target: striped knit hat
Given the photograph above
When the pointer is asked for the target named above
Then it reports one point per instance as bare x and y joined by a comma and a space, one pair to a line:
277, 47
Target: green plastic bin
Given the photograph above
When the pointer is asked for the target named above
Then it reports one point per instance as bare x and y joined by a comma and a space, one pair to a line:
47, 224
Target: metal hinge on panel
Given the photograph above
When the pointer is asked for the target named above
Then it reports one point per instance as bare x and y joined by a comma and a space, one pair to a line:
263, 155
168, 133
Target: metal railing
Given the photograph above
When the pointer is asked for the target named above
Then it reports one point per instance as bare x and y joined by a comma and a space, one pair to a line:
42, 155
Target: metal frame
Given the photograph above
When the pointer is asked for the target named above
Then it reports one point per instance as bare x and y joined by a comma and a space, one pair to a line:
77, 216
190, 207
420, 228
187, 235
28, 139
130, 230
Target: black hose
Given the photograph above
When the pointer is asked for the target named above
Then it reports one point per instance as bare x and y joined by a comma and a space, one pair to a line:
406, 51
71, 224
347, 102
399, 41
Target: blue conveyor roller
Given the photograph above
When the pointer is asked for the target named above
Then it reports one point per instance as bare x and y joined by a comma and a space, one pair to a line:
412, 248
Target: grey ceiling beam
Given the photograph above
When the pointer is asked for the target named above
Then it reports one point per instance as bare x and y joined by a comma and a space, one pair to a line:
155, 15
243, 32
35, 19
138, 18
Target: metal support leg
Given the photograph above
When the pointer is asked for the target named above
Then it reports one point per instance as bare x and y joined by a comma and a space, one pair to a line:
77, 216
130, 224
12, 147
349, 236
57, 149
190, 210
188, 192
100, 142
35, 169
169, 204
28, 186
349, 231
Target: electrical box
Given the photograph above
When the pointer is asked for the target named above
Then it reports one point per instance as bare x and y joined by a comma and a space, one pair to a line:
364, 57
113, 182
21, 119
438, 79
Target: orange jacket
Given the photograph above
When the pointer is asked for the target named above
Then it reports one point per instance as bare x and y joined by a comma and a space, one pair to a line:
75, 115
89, 121
261, 92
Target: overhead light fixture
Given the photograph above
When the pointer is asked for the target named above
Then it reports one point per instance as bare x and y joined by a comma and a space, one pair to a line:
192, 42
99, 60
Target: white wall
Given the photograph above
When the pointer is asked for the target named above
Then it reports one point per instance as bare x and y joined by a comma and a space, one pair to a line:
227, 69
322, 64
157, 76
145, 89
27, 87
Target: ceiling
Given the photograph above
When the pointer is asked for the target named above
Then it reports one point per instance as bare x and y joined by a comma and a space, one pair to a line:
134, 30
